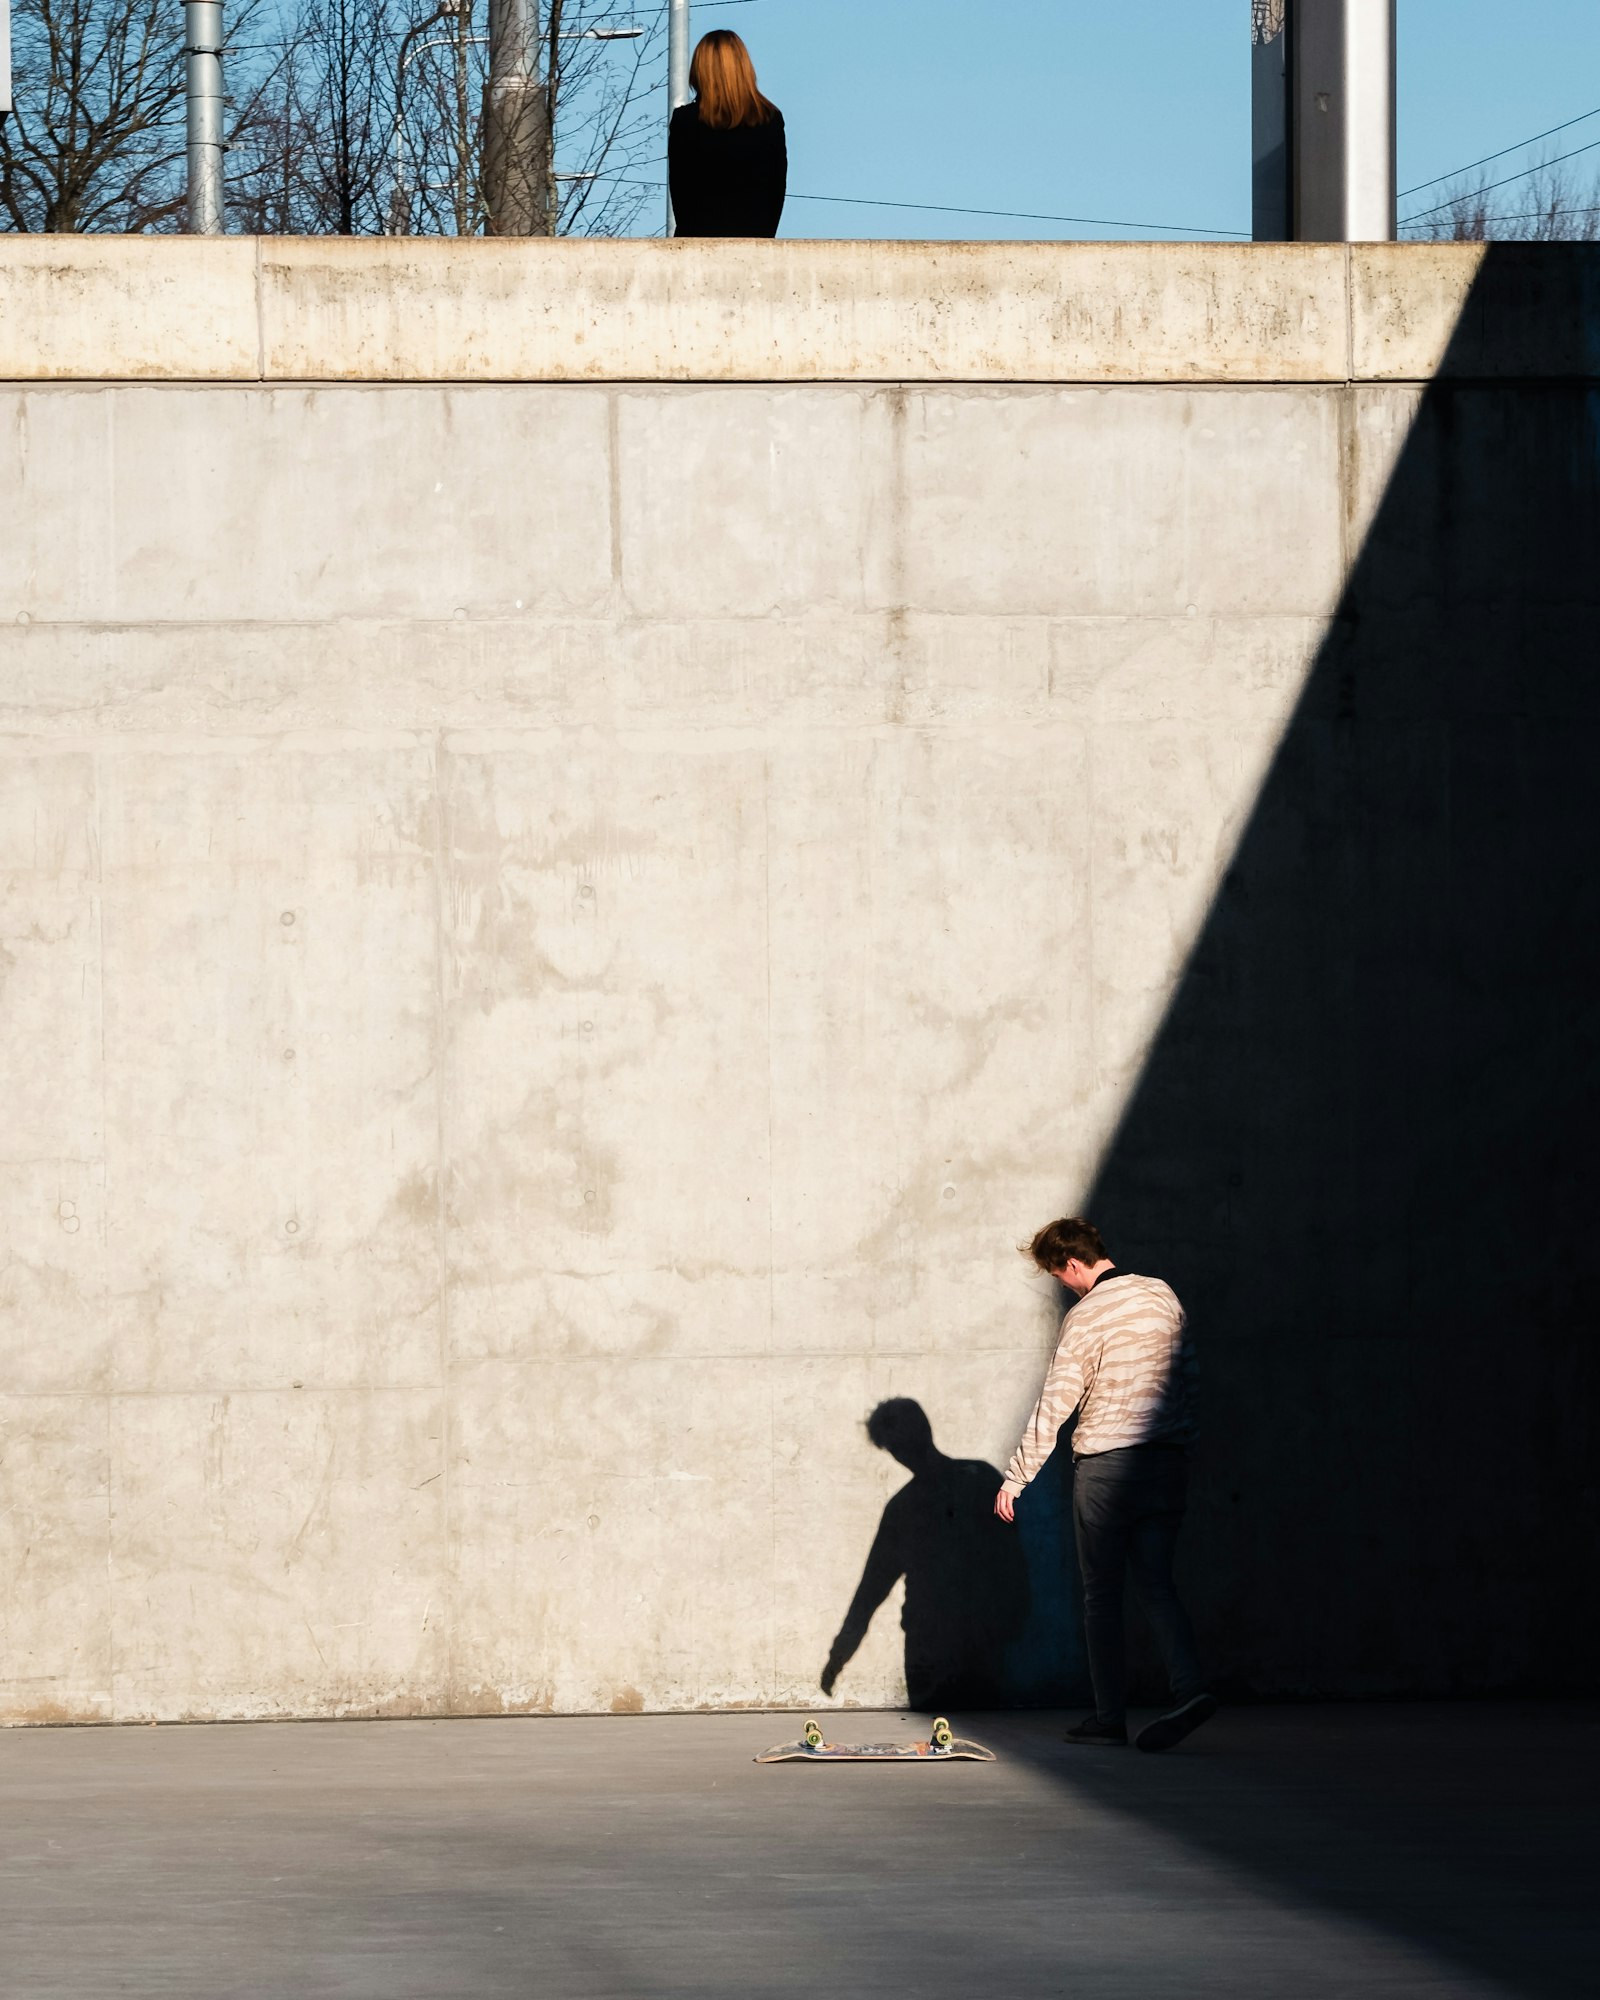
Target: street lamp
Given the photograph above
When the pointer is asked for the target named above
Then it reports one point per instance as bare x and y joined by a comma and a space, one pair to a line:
410, 48
447, 10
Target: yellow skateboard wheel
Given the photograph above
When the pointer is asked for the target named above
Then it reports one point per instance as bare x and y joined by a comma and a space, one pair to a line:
813, 1735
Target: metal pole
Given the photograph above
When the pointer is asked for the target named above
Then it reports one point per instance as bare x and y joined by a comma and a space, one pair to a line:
516, 148
1271, 123
1369, 173
677, 71
1342, 120
203, 94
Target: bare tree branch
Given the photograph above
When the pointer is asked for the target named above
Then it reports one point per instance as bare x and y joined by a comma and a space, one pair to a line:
325, 137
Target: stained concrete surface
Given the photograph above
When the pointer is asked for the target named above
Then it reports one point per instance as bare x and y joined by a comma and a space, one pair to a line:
1402, 1850
555, 934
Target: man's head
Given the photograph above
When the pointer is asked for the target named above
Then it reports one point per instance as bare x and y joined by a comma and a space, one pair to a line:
1073, 1251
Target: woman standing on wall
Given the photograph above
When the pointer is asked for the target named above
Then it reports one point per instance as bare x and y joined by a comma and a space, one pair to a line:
727, 165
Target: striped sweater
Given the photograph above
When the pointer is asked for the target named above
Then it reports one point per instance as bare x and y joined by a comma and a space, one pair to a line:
1125, 1364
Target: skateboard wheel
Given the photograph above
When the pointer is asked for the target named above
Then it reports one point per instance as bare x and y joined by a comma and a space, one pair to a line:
943, 1735
813, 1736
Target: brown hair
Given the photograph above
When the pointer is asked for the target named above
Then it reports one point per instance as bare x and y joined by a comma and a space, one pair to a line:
1059, 1242
723, 79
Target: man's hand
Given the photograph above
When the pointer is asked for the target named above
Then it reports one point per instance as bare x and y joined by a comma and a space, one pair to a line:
1004, 1505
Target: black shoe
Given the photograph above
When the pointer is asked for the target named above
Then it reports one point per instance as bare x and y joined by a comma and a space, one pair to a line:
1178, 1723
1093, 1730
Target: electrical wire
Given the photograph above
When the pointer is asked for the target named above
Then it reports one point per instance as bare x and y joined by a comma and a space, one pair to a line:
1020, 215
1423, 214
1006, 214
1457, 172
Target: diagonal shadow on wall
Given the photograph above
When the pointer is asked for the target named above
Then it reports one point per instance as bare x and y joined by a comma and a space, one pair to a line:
1363, 1147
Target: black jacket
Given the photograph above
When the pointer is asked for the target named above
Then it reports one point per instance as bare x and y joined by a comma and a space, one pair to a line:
727, 183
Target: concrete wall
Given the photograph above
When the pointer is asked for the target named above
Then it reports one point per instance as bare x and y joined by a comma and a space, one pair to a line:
590, 835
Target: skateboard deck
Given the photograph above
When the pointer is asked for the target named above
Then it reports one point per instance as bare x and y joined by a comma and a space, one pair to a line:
942, 1747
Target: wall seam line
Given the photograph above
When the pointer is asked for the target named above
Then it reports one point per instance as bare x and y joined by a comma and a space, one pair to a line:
105, 1247
261, 324
1349, 314
772, 1282
441, 1221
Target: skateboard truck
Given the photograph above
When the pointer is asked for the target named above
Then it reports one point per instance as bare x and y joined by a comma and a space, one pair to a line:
943, 1746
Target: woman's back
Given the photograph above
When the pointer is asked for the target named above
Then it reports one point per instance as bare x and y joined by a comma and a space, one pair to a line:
727, 182
727, 161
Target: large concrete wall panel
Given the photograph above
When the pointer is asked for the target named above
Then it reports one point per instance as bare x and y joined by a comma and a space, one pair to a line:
1084, 502
557, 934
346, 503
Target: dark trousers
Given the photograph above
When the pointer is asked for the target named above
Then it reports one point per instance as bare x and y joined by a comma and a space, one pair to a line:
1127, 1507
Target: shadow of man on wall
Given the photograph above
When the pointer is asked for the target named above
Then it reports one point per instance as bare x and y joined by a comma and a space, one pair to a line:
966, 1579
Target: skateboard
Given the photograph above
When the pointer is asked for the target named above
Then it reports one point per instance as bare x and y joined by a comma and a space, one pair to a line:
942, 1747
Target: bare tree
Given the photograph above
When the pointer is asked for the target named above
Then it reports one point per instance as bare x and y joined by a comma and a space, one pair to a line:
1548, 205
95, 137
605, 129
346, 117
91, 141
373, 121
307, 155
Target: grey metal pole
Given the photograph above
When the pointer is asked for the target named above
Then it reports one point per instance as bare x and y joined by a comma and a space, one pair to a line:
516, 124
677, 71
1271, 123
1341, 116
203, 101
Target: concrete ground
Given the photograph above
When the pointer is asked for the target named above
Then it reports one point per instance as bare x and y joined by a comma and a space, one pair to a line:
1286, 1852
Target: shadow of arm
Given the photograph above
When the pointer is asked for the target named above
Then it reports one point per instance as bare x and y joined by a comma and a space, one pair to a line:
884, 1568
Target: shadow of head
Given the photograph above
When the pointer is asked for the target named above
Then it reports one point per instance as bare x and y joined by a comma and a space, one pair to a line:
901, 1428
965, 1576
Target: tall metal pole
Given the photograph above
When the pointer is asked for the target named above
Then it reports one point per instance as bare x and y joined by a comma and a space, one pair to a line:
677, 71
1323, 118
203, 96
1271, 123
1369, 149
516, 124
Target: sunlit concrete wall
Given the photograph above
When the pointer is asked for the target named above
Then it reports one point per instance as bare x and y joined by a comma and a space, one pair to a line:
590, 835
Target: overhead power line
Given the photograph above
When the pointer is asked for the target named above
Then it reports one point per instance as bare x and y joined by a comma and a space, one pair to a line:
1019, 214
1006, 214
1540, 167
1536, 214
1457, 172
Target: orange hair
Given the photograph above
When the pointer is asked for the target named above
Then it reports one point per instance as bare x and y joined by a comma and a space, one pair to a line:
723, 79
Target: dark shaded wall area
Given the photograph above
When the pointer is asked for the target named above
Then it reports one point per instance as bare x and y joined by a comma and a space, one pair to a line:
1364, 1145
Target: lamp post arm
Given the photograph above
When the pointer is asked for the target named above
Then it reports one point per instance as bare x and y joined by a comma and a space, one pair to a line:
399, 204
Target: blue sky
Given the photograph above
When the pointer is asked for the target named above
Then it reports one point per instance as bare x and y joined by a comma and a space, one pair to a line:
1135, 109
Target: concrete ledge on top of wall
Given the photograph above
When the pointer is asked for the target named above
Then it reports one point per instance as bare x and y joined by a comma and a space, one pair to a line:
1519, 310
113, 308
434, 310
801, 311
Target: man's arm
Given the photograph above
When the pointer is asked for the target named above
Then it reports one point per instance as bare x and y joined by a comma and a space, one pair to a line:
1059, 1397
